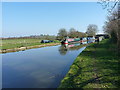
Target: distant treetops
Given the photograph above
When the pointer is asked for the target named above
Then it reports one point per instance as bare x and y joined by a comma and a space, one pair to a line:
73, 33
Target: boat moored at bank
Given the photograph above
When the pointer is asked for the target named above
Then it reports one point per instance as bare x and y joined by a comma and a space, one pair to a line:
78, 40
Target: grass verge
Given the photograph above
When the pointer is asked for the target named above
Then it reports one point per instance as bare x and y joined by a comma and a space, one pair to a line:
17, 43
96, 67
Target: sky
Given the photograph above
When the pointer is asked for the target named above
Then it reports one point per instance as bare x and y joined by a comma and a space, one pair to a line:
35, 18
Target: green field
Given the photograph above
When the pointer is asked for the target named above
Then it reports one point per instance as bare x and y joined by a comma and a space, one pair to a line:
16, 43
96, 67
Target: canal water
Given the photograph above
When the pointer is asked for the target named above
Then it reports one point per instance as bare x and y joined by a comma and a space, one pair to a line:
38, 68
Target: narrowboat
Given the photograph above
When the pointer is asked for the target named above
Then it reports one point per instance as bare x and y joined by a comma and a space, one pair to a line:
82, 40
74, 40
70, 40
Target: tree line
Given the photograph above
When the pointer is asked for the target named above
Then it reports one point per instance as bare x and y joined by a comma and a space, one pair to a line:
92, 29
41, 36
72, 33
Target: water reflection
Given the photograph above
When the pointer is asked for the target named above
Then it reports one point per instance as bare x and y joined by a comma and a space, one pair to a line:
64, 48
38, 68
91, 41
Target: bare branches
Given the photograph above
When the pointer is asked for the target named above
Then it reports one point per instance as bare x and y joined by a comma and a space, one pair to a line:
109, 4
92, 29
104, 3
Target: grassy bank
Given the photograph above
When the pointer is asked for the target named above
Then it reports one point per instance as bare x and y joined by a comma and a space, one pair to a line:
96, 67
17, 43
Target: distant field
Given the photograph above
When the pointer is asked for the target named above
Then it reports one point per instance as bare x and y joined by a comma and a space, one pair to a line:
16, 43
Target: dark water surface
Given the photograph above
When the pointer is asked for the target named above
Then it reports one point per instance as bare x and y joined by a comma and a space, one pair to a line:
38, 68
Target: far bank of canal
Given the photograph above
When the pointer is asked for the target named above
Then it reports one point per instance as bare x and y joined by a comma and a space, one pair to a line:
28, 47
96, 67
38, 68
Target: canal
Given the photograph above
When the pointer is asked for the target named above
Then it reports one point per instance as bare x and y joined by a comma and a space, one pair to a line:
38, 68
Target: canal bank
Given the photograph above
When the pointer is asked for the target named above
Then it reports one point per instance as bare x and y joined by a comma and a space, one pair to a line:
27, 47
96, 67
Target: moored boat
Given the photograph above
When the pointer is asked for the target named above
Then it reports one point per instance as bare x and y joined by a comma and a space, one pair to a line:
74, 40
78, 40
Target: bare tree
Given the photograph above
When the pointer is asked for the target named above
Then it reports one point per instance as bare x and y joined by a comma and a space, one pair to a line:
109, 4
91, 30
62, 34
112, 25
72, 33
